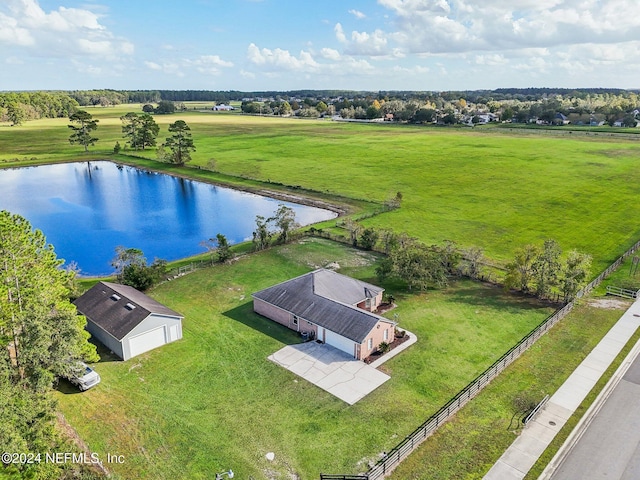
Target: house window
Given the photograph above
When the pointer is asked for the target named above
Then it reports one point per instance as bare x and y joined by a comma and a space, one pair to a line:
295, 320
370, 343
386, 335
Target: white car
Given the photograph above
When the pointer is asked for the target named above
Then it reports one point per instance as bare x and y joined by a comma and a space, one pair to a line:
86, 378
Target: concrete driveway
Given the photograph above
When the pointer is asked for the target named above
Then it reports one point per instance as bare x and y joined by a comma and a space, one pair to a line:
330, 369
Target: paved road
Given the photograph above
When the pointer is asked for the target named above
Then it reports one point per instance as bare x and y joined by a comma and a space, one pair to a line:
609, 447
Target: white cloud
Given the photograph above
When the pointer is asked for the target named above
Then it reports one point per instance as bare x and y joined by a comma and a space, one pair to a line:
13, 34
342, 38
208, 64
491, 59
170, 68
417, 70
449, 26
280, 59
363, 43
64, 32
153, 65
330, 54
372, 44
205, 64
358, 14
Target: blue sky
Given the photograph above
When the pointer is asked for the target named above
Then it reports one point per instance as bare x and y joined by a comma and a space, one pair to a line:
330, 44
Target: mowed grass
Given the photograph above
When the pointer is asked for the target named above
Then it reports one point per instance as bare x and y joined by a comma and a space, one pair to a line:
490, 188
213, 401
472, 441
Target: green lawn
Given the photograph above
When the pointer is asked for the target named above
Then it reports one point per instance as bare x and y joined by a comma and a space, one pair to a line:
470, 443
491, 188
214, 401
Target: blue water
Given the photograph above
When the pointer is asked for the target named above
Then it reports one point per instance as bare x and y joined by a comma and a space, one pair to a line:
87, 209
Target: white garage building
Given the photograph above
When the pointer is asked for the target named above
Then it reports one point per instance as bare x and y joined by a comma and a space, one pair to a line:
127, 321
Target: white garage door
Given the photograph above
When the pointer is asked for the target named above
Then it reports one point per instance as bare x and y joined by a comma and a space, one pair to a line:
339, 342
147, 341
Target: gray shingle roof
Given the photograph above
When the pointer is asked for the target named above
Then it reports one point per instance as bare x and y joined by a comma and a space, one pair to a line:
341, 288
118, 309
319, 298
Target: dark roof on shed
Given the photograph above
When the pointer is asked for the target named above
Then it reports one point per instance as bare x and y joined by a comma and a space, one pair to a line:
118, 309
305, 297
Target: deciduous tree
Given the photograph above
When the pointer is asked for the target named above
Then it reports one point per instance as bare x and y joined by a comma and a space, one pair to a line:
368, 238
520, 270
575, 273
218, 246
16, 113
165, 107
418, 265
262, 234
546, 268
285, 220
132, 268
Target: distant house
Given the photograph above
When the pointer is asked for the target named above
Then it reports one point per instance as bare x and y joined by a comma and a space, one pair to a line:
333, 308
127, 321
561, 119
593, 120
223, 108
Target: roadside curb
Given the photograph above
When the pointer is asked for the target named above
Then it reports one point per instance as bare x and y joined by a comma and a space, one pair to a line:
589, 415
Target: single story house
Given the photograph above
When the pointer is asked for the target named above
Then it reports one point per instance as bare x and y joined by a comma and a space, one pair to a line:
330, 307
127, 321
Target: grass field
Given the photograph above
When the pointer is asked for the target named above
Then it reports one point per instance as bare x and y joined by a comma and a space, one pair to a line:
214, 401
482, 188
468, 446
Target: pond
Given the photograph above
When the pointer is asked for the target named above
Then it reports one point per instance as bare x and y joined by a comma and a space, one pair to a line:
87, 209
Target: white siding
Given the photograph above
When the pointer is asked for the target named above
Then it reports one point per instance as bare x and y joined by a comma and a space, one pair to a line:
105, 338
340, 342
146, 341
154, 331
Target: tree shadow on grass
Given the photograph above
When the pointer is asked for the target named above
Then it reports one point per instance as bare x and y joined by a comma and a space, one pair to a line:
106, 355
244, 314
66, 387
483, 295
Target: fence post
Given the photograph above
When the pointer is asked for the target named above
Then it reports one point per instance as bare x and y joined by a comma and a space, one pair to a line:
481, 381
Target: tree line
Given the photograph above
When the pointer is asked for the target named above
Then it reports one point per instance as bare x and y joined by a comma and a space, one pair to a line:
140, 131
539, 270
409, 106
41, 337
19, 107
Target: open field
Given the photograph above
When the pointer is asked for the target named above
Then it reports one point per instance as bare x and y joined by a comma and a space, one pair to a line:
469, 445
482, 188
213, 400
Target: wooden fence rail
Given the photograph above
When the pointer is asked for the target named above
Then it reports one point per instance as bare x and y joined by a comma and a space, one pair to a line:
415, 438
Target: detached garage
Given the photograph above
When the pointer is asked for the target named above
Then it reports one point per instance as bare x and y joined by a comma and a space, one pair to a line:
127, 321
